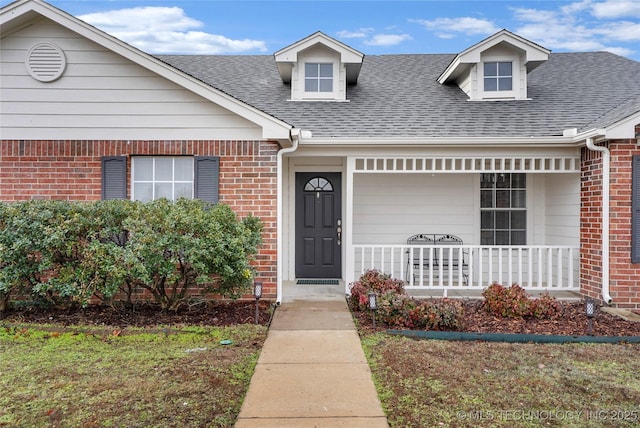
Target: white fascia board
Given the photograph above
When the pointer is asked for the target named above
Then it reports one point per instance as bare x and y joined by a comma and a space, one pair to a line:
290, 53
624, 128
443, 141
272, 128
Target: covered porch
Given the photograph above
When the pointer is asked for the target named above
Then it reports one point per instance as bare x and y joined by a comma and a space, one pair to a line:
535, 241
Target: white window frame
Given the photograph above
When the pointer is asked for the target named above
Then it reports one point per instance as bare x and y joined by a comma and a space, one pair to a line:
515, 78
319, 78
154, 180
494, 208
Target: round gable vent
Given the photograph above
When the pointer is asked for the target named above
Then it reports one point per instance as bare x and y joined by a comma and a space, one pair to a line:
45, 62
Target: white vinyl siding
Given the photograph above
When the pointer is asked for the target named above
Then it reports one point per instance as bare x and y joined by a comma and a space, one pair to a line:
389, 208
562, 208
102, 95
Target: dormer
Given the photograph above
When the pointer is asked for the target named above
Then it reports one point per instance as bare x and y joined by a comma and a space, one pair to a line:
496, 68
319, 68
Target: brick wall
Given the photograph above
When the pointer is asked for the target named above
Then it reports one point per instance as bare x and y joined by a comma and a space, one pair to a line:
70, 170
624, 279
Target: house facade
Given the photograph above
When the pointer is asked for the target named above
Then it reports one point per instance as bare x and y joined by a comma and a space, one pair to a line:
509, 163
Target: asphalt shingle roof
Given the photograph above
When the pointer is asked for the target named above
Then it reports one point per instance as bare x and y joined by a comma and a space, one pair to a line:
398, 96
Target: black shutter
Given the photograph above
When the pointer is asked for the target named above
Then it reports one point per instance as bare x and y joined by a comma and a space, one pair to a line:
635, 210
114, 177
207, 171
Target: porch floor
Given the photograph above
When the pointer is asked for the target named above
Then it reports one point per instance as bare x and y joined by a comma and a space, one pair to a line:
291, 292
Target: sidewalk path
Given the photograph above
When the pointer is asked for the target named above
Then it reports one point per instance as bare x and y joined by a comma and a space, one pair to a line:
312, 372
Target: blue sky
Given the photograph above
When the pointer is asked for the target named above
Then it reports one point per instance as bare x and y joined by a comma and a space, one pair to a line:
372, 27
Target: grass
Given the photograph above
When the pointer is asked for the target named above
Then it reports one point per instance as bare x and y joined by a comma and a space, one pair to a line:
84, 377
458, 384
181, 377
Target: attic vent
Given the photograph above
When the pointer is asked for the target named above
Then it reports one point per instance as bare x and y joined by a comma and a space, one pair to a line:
45, 62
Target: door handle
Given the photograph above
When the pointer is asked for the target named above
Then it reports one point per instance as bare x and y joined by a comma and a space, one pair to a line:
339, 231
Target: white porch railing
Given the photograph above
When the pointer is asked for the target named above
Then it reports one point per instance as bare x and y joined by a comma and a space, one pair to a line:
469, 267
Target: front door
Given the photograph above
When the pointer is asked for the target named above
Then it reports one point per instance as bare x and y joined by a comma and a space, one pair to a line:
318, 225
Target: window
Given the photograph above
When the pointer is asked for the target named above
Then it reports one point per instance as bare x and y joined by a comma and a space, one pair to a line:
318, 77
156, 177
498, 76
162, 177
503, 215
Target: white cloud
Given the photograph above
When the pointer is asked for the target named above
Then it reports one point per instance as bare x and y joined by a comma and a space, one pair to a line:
166, 30
358, 34
617, 9
579, 26
387, 39
446, 28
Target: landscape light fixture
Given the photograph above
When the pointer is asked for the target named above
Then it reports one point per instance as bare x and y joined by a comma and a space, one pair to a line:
590, 310
257, 293
373, 306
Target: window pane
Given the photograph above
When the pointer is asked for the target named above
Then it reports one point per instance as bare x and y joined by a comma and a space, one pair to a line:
502, 238
503, 181
310, 85
518, 199
518, 238
183, 190
143, 169
490, 84
502, 219
504, 68
486, 181
486, 199
164, 190
518, 220
503, 199
490, 68
326, 70
143, 192
184, 169
311, 70
326, 85
518, 181
486, 238
504, 84
486, 220
164, 169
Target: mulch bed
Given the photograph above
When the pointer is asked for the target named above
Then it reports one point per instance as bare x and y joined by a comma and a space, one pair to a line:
571, 322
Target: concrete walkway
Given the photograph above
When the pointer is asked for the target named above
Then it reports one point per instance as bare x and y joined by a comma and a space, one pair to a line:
312, 372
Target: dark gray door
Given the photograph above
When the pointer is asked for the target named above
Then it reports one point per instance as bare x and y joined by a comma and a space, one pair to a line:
318, 225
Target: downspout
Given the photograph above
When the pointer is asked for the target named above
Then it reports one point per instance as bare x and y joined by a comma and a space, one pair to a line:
295, 138
606, 175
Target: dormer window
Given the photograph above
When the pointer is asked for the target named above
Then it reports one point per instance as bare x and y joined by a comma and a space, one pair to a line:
496, 68
498, 76
319, 68
318, 77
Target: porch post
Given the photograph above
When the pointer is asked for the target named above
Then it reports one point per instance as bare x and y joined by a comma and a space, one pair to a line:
347, 222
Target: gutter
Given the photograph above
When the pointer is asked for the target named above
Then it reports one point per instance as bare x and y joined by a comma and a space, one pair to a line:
295, 135
606, 176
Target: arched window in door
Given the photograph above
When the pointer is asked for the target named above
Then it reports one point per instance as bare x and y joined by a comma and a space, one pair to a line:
318, 184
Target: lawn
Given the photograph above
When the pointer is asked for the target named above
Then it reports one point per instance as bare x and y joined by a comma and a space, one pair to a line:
184, 376
432, 383
164, 378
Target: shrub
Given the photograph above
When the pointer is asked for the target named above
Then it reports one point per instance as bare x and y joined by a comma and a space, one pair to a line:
398, 309
372, 281
515, 302
61, 251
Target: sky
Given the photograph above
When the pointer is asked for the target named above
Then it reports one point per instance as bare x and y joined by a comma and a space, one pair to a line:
372, 27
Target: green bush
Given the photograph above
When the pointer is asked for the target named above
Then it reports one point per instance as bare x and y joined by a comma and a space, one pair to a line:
515, 302
71, 252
